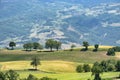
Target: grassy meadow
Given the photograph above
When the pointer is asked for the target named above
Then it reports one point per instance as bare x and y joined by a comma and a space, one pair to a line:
58, 64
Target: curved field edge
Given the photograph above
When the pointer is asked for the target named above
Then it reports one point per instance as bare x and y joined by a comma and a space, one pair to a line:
62, 70
71, 76
72, 56
46, 66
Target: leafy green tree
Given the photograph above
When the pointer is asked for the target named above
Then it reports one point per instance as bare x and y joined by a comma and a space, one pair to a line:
50, 43
25, 46
2, 76
118, 65
86, 44
28, 46
12, 45
86, 67
35, 62
111, 67
36, 45
117, 48
72, 46
104, 65
40, 47
96, 47
108, 65
31, 77
12, 75
97, 70
57, 45
79, 68
111, 52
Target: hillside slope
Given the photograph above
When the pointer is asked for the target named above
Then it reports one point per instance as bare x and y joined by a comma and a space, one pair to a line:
70, 22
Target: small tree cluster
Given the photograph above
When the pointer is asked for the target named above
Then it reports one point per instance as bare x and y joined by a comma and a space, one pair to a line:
110, 65
30, 46
9, 75
83, 68
116, 49
50, 43
12, 75
111, 52
32, 77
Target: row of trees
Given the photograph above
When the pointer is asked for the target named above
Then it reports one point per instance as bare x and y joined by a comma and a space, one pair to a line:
98, 68
83, 68
111, 51
50, 43
30, 46
13, 75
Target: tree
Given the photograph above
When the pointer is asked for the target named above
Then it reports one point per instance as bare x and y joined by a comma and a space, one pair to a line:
2, 76
12, 45
111, 52
79, 68
36, 45
25, 46
12, 75
86, 67
72, 46
86, 44
31, 77
118, 65
97, 70
28, 46
104, 65
50, 43
35, 62
57, 45
96, 47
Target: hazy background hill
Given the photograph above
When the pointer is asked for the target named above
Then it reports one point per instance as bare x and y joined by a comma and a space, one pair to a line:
70, 21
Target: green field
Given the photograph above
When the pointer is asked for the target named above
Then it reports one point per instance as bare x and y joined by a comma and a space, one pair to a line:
62, 70
57, 64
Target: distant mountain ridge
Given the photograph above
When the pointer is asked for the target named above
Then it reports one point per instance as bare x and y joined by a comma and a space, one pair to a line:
72, 21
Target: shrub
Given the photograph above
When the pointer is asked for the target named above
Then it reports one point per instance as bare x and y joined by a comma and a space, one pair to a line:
2, 76
117, 48
11, 75
118, 65
31, 77
111, 52
79, 68
108, 65
86, 67
111, 67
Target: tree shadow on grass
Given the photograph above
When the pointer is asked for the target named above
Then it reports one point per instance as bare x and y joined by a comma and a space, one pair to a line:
41, 71
83, 49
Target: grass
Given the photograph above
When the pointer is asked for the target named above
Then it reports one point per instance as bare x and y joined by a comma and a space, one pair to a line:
62, 70
47, 66
73, 56
58, 64
70, 76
